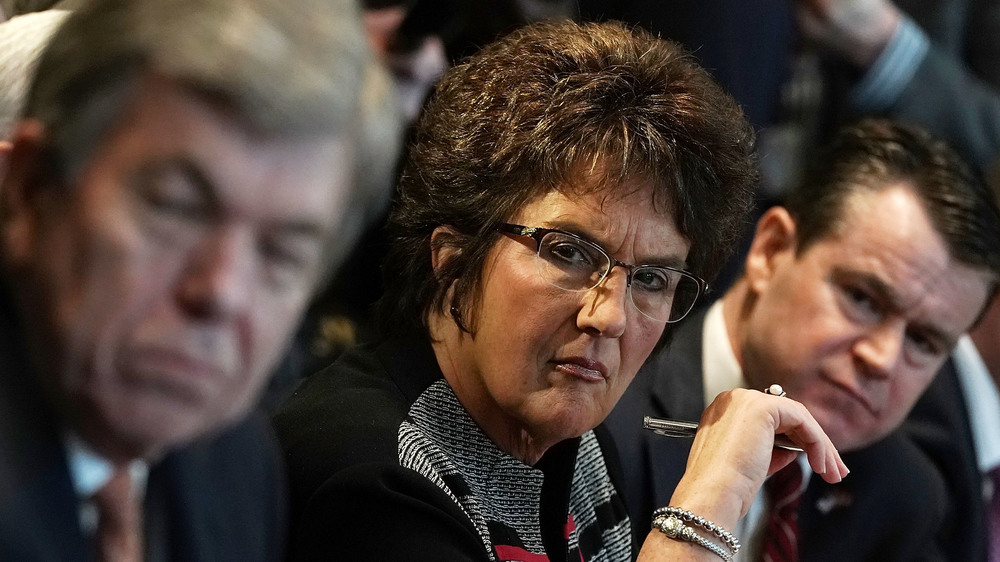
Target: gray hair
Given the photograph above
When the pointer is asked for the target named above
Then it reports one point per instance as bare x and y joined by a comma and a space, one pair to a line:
22, 40
295, 68
290, 67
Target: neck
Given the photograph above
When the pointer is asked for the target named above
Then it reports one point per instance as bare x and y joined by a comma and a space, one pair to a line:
505, 431
737, 304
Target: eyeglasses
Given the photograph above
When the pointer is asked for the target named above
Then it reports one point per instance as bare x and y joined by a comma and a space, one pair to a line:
566, 261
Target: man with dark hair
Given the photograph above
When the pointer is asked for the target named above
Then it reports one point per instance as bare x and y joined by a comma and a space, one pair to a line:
853, 294
180, 183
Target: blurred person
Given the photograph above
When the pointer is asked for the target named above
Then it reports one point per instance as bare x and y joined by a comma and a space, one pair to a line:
543, 167
936, 64
852, 296
181, 182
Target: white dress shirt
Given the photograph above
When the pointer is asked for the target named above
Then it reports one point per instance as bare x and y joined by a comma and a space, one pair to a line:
722, 372
90, 471
983, 403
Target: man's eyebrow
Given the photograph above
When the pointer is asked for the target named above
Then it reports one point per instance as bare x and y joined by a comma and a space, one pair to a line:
889, 297
895, 303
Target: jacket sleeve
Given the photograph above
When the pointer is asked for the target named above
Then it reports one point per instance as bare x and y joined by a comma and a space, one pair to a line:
382, 512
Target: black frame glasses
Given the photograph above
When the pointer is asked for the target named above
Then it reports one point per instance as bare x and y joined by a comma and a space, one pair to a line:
683, 292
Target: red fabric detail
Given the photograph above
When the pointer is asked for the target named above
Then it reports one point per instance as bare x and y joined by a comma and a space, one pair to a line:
506, 552
570, 527
784, 488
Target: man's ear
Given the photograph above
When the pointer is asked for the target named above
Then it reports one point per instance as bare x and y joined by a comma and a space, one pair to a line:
5, 147
773, 243
443, 247
18, 190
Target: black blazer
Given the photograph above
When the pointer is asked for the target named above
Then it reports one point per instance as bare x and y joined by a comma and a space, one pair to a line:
216, 500
891, 507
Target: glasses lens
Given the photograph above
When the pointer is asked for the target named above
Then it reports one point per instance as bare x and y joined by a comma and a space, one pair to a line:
663, 294
687, 293
570, 263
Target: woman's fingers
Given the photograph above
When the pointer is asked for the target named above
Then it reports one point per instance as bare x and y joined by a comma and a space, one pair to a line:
734, 451
795, 421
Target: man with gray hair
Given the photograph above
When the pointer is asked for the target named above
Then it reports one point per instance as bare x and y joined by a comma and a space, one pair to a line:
22, 40
181, 183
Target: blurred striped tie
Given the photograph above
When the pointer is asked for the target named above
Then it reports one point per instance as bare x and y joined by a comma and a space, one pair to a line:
784, 488
119, 529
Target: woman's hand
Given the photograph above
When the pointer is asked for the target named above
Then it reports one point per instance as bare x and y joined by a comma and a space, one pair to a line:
732, 453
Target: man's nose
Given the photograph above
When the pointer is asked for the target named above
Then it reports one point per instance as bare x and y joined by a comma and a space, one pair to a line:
881, 347
216, 281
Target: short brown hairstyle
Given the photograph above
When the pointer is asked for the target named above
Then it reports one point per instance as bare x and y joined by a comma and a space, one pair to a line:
545, 107
874, 154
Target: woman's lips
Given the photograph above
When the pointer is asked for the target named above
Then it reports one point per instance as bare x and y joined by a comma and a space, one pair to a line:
582, 368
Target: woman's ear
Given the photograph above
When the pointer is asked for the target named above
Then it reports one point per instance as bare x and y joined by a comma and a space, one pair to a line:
774, 242
443, 247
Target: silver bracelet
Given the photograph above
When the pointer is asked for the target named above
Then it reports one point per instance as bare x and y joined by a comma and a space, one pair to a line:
674, 528
731, 541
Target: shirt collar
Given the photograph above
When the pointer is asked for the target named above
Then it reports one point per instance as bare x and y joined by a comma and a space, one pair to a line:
983, 402
722, 370
89, 471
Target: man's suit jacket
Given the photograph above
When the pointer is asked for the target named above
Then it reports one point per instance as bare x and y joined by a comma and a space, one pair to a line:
939, 424
216, 500
891, 507
955, 91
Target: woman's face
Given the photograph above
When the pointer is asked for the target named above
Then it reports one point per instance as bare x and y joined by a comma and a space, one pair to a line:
547, 364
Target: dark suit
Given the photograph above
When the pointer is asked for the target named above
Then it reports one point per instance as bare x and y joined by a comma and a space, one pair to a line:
220, 499
891, 506
939, 424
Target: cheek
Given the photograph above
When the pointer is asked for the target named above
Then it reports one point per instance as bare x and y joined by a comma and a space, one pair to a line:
269, 335
907, 387
637, 346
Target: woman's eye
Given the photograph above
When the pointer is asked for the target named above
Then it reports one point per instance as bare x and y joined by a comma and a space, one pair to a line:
651, 280
571, 253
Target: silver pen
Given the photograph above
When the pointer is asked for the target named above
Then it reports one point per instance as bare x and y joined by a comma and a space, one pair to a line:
678, 428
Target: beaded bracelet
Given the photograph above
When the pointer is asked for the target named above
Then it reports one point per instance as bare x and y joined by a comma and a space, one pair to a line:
676, 529
731, 541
